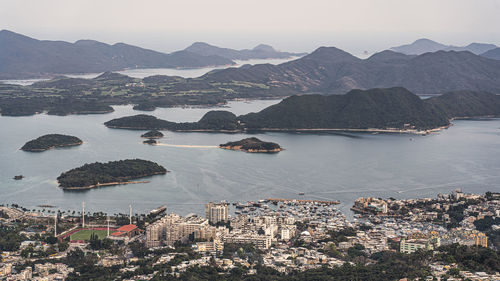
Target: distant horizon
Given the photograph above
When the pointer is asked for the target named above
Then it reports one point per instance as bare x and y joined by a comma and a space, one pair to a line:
358, 53
296, 26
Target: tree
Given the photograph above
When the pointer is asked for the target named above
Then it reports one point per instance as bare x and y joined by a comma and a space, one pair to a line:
138, 249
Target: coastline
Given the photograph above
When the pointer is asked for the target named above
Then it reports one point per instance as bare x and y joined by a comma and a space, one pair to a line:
238, 148
369, 130
102, 184
115, 182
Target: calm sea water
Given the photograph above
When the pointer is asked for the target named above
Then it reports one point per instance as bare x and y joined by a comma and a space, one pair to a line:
145, 72
324, 166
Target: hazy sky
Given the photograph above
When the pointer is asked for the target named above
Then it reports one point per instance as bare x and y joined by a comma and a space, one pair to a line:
164, 25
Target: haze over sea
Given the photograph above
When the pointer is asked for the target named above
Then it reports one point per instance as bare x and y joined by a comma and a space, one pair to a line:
324, 166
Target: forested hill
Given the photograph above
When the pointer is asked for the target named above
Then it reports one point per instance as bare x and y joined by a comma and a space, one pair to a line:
392, 108
467, 104
333, 71
24, 57
358, 109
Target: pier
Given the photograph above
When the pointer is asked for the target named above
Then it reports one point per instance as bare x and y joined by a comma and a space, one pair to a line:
303, 201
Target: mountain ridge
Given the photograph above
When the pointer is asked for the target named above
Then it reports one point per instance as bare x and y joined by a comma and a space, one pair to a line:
424, 45
261, 51
492, 54
24, 57
333, 71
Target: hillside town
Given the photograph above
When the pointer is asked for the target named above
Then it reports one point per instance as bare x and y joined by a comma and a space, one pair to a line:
456, 235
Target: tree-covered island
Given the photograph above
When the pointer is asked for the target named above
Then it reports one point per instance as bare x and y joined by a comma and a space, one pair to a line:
252, 145
150, 142
111, 173
50, 141
154, 134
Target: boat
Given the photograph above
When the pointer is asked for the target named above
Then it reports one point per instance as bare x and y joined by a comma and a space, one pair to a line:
301, 193
158, 210
19, 177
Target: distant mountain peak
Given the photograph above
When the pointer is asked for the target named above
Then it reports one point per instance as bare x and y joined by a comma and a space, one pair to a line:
419, 47
88, 42
199, 44
388, 55
261, 51
331, 54
425, 40
264, 47
25, 57
7, 34
425, 45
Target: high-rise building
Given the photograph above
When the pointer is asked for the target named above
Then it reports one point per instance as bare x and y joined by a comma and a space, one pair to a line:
172, 228
259, 241
216, 212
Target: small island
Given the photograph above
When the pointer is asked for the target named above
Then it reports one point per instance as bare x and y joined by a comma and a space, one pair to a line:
99, 174
253, 145
50, 141
144, 107
150, 142
154, 134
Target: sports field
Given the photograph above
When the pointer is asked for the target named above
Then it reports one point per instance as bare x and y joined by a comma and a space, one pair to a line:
85, 234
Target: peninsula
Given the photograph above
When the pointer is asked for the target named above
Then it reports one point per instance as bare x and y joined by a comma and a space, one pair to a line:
50, 141
252, 145
98, 174
395, 110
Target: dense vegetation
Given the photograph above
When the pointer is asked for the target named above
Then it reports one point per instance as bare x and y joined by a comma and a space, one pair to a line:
50, 141
375, 108
470, 258
10, 239
213, 120
383, 266
19, 106
467, 104
152, 134
140, 122
393, 108
115, 171
388, 266
252, 145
